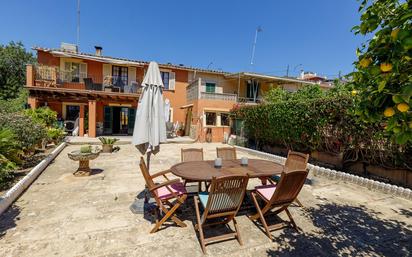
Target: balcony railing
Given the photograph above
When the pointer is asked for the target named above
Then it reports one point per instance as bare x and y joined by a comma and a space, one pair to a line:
218, 96
52, 76
194, 92
248, 100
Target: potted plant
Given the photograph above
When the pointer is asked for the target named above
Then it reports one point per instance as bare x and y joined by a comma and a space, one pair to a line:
108, 144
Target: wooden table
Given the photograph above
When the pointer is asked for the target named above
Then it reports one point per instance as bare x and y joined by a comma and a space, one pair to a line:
205, 170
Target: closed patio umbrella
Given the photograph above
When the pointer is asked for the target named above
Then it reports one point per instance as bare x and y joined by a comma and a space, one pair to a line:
150, 125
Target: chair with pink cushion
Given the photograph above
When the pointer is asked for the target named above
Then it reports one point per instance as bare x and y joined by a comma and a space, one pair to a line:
164, 193
278, 197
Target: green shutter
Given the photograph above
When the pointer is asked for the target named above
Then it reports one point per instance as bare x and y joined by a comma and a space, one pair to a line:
131, 120
108, 118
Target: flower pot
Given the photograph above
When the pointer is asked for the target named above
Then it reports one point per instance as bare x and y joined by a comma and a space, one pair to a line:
107, 148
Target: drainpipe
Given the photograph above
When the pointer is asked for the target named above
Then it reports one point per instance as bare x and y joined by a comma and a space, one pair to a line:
238, 87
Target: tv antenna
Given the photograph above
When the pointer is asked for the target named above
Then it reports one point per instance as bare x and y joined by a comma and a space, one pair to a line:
252, 59
78, 24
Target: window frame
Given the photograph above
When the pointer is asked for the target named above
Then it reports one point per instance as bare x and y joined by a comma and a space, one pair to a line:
121, 70
166, 85
218, 118
209, 84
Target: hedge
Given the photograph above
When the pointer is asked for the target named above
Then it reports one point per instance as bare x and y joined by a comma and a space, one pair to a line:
326, 124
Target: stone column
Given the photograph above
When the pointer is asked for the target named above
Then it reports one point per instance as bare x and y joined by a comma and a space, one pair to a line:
92, 118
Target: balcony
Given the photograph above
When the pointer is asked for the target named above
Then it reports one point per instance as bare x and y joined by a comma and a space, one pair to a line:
194, 92
53, 77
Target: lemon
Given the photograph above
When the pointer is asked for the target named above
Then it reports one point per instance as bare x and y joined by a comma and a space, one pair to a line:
354, 92
389, 112
394, 33
386, 67
365, 62
403, 107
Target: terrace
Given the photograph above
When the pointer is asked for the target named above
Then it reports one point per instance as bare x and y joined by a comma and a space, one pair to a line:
89, 216
77, 79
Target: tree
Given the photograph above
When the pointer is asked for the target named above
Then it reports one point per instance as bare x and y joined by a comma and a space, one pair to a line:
383, 77
13, 60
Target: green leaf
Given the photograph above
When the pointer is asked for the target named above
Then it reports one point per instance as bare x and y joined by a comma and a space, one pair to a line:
401, 138
381, 85
397, 99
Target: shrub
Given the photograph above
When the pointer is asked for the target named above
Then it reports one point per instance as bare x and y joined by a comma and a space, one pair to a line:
9, 152
28, 133
108, 140
55, 134
43, 115
323, 121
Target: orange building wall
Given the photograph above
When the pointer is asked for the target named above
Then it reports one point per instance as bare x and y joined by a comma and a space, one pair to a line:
177, 97
47, 59
95, 71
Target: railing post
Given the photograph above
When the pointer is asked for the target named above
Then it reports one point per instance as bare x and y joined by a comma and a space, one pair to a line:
199, 88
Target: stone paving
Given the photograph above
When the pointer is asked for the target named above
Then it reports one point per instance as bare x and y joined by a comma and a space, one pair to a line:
62, 215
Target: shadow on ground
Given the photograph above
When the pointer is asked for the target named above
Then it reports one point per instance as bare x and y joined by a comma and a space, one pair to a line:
346, 230
8, 219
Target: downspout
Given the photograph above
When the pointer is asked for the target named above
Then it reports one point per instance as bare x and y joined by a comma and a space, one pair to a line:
238, 87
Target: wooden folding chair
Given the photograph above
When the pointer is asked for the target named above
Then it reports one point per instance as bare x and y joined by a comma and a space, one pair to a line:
189, 155
163, 194
226, 153
222, 204
294, 161
278, 196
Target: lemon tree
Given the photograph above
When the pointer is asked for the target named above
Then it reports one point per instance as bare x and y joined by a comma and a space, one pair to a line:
382, 79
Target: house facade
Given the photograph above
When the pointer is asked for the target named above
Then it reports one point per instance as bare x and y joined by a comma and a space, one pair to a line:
99, 94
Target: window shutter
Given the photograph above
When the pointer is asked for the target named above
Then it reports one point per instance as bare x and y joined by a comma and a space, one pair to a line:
172, 80
132, 75
83, 71
67, 71
107, 70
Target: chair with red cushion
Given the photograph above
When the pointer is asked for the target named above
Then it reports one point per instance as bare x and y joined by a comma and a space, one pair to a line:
278, 197
164, 193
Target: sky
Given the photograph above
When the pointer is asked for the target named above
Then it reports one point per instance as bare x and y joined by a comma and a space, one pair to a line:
310, 35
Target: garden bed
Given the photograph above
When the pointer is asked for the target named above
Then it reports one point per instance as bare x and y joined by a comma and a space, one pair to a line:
27, 165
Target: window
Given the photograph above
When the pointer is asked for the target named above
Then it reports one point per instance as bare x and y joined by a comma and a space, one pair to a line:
210, 87
210, 119
165, 77
120, 75
74, 72
224, 119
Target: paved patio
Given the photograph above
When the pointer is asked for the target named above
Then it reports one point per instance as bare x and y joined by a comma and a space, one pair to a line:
62, 215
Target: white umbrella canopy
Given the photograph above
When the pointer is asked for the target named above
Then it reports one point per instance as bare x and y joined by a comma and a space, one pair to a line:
150, 125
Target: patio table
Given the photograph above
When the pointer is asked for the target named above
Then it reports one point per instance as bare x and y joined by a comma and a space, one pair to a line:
205, 170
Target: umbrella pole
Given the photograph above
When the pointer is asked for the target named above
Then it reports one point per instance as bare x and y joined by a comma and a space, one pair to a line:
146, 195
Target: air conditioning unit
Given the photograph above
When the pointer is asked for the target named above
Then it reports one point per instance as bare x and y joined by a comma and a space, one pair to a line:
69, 47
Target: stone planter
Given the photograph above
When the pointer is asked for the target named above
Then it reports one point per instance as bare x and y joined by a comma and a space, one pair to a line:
397, 176
83, 159
355, 168
335, 160
107, 148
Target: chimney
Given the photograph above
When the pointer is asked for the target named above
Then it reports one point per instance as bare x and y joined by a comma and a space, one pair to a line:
98, 50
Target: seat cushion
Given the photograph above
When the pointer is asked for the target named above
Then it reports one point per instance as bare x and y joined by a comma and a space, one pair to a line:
266, 191
177, 188
203, 197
